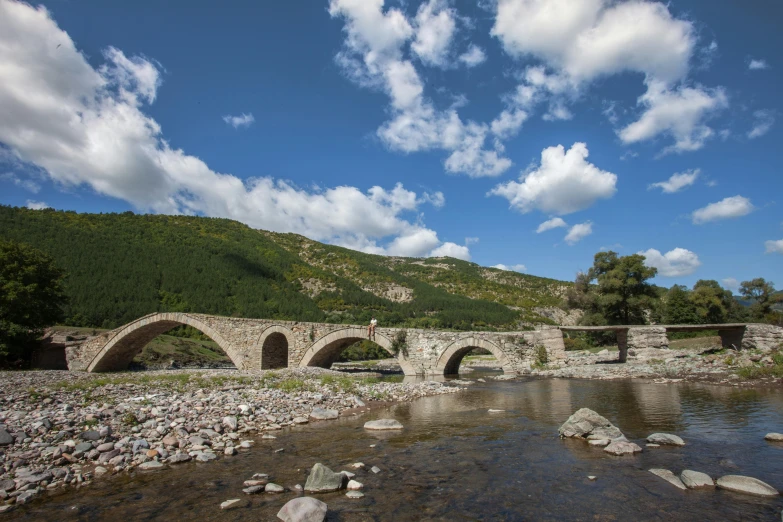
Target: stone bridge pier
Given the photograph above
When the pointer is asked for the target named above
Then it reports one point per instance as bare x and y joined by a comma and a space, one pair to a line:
267, 344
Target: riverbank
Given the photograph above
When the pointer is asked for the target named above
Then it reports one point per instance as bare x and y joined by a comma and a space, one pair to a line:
61, 429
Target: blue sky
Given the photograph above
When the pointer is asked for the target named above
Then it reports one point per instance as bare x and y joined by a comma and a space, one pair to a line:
523, 133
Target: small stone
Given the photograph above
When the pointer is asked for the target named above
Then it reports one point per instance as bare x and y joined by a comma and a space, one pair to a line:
82, 447
591, 477
375, 469
323, 414
178, 458
91, 435
357, 465
206, 456
151, 465
665, 438
599, 442
230, 450
25, 496
100, 470
696, 479
6, 508
250, 483
170, 441
323, 479
383, 424
246, 444
230, 422
653, 445
233, 503
273, 488
354, 485
750, 485
152, 453
300, 420
774, 437
303, 509
348, 474
253, 489
669, 477
622, 447
354, 494
495, 411
268, 435
106, 446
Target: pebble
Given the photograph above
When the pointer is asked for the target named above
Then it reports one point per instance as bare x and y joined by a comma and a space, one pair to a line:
354, 485
354, 494
151, 465
253, 489
230, 450
774, 437
622, 447
669, 477
375, 469
665, 439
383, 424
273, 488
233, 503
591, 477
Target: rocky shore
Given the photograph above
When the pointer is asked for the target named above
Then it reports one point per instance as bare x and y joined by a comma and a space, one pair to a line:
718, 366
60, 429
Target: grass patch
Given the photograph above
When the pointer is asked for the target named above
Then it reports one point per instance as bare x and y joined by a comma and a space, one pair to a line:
290, 385
761, 371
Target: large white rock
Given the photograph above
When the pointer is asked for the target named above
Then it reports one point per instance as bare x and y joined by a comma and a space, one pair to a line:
774, 437
750, 485
696, 479
323, 479
322, 414
669, 477
383, 424
586, 423
303, 509
665, 438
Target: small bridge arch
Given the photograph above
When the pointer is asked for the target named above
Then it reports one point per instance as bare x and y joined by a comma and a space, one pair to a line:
449, 361
120, 350
274, 345
326, 349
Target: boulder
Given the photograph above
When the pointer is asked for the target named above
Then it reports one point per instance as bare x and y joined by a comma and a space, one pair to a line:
665, 439
323, 414
303, 509
669, 477
323, 479
750, 485
383, 424
696, 479
586, 423
774, 437
622, 447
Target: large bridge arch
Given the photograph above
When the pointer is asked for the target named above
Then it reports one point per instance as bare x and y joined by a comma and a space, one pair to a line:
120, 350
326, 349
449, 361
274, 344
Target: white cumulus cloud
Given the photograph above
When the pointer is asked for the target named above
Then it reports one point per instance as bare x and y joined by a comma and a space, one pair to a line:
473, 56
674, 263
563, 183
578, 232
763, 121
774, 246
36, 205
88, 127
452, 250
435, 26
677, 182
732, 207
756, 65
549, 224
510, 268
243, 120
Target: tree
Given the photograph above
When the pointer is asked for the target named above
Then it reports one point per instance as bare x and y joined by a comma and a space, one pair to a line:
712, 302
678, 307
760, 293
31, 297
624, 293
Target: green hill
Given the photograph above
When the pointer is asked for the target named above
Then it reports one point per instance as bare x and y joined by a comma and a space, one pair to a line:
123, 266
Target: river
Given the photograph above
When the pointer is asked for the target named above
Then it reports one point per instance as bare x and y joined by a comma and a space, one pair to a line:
457, 461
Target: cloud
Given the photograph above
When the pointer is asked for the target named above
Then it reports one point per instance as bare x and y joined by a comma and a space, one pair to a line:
36, 205
549, 224
243, 120
435, 27
452, 250
730, 284
732, 207
578, 232
473, 56
756, 65
471, 240
677, 182
436, 199
774, 246
763, 122
373, 56
674, 263
512, 268
679, 113
508, 123
27, 184
564, 182
87, 127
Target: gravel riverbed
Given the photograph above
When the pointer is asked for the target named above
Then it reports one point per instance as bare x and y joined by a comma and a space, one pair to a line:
61, 429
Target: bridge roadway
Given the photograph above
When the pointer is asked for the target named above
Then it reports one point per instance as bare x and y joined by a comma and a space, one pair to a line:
269, 343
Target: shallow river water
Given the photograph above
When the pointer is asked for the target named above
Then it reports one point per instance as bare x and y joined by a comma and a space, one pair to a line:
456, 461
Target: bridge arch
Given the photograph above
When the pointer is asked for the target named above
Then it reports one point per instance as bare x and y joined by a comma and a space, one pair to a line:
121, 348
449, 361
326, 349
274, 344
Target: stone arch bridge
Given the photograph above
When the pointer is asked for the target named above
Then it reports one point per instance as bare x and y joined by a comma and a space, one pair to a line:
268, 343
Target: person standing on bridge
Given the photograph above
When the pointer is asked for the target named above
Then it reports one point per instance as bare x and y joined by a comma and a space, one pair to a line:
371, 328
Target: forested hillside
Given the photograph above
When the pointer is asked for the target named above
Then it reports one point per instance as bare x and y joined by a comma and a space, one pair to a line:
122, 266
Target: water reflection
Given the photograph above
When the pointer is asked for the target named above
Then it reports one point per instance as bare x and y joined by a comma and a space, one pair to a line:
457, 461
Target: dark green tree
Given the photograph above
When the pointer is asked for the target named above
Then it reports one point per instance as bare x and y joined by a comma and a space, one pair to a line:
623, 292
713, 304
31, 298
761, 294
678, 307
